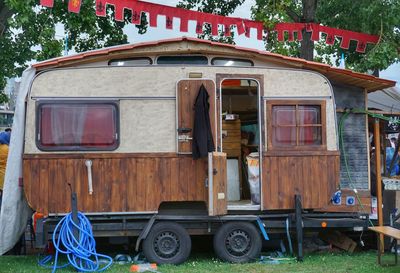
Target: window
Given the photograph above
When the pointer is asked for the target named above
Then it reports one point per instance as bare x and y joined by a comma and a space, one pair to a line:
77, 126
297, 125
188, 60
231, 62
131, 62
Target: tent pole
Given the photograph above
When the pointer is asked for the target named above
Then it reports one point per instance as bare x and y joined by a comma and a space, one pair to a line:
377, 139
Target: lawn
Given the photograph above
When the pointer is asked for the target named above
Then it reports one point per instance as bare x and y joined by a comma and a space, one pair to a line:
324, 263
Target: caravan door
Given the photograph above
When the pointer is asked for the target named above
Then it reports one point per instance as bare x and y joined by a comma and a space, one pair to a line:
216, 183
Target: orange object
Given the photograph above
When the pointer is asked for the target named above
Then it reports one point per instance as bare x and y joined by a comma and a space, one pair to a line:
36, 216
143, 267
324, 224
231, 82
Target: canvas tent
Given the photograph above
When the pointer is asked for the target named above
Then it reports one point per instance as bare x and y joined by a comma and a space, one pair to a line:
387, 100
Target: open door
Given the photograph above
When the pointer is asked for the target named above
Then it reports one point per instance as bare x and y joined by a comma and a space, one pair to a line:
187, 91
217, 184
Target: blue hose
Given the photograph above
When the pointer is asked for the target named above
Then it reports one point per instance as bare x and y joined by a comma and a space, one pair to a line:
81, 251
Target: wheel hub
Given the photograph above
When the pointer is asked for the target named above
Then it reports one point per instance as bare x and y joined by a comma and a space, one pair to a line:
166, 244
238, 243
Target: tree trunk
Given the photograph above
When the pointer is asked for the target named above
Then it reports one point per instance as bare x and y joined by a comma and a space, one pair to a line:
307, 45
5, 14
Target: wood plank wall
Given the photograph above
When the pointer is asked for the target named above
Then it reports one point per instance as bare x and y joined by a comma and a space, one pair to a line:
121, 182
314, 176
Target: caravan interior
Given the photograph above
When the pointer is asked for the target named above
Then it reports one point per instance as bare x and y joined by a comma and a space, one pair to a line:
241, 142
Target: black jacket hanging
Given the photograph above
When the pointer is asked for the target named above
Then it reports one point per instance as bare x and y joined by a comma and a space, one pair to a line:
202, 134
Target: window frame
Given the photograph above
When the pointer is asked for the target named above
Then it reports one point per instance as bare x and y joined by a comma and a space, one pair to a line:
130, 59
182, 56
232, 59
296, 103
41, 147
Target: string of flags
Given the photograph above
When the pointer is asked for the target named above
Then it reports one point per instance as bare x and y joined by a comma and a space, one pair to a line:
73, 5
154, 10
243, 26
315, 29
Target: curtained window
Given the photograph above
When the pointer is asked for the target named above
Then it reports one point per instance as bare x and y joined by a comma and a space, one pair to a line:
77, 126
296, 125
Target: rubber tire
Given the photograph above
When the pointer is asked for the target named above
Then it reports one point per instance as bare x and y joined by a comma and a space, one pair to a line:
176, 230
242, 228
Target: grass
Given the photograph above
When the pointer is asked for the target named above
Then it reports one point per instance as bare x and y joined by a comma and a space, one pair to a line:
325, 263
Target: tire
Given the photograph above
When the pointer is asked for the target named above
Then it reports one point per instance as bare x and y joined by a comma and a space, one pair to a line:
237, 242
167, 243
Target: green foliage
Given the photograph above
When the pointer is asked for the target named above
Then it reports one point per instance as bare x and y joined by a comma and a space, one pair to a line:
378, 17
223, 8
31, 33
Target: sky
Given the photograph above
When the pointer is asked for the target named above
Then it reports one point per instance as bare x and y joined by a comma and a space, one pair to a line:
243, 11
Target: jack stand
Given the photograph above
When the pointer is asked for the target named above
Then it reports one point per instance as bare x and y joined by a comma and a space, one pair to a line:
74, 207
299, 227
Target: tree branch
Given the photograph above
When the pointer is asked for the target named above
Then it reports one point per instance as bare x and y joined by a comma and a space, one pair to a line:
292, 14
5, 14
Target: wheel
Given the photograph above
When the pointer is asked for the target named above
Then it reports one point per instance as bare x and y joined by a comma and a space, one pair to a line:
167, 243
237, 242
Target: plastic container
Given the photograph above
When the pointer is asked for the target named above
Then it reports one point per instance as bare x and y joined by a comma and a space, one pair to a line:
144, 267
253, 177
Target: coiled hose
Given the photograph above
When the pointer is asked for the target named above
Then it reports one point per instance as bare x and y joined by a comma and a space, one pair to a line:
81, 251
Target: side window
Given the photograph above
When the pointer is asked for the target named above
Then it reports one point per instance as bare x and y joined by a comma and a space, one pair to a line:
231, 62
131, 62
183, 60
296, 125
77, 126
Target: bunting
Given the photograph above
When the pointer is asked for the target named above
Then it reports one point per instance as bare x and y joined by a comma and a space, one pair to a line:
47, 3
74, 6
331, 33
243, 26
154, 10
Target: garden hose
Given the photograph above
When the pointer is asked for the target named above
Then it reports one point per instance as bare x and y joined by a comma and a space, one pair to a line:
81, 251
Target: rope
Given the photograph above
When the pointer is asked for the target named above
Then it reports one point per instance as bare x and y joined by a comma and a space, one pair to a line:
81, 251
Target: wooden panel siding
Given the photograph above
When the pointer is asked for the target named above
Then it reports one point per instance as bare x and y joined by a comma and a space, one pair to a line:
129, 183
314, 176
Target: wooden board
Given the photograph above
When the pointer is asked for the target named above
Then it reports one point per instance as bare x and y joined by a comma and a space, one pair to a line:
387, 231
187, 91
315, 177
217, 184
121, 183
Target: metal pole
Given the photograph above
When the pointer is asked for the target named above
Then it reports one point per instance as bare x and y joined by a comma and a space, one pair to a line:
378, 180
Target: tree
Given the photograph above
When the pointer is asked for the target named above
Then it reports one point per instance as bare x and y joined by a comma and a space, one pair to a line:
28, 32
378, 17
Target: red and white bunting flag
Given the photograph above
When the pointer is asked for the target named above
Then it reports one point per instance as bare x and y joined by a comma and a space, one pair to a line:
47, 3
74, 6
154, 10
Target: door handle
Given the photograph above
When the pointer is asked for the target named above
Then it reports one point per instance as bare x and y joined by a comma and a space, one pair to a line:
89, 164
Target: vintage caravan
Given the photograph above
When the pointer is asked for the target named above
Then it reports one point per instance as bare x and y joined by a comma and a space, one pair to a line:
183, 137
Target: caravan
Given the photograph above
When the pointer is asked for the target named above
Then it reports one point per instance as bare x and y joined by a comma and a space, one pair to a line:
117, 127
